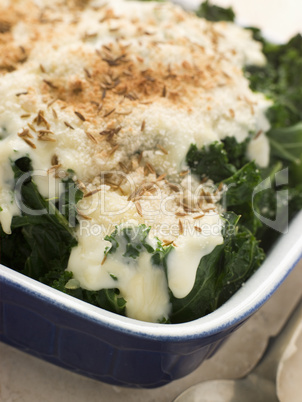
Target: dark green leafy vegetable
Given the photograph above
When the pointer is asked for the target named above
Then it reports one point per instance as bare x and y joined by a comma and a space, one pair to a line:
241, 184
236, 151
239, 181
221, 273
286, 145
43, 232
160, 255
9, 244
212, 12
109, 299
69, 199
218, 160
210, 161
241, 187
277, 203
280, 79
239, 195
134, 240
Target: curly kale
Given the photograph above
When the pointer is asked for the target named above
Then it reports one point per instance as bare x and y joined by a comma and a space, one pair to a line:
211, 12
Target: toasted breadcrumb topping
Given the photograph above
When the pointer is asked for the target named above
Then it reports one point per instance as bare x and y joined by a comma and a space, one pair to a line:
124, 87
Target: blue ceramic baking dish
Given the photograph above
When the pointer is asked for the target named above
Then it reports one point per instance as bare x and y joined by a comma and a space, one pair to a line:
126, 352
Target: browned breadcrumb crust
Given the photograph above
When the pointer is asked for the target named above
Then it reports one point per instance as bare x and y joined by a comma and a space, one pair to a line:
116, 80
113, 82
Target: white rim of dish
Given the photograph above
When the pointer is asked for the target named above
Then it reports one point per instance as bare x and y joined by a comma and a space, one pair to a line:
276, 267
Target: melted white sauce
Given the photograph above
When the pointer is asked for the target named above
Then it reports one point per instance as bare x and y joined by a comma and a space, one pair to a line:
184, 259
142, 284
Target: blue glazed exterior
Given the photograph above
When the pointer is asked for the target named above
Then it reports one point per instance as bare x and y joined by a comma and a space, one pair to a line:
121, 351
48, 330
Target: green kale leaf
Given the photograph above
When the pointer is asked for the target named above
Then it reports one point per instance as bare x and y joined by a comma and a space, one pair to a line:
160, 255
135, 239
280, 78
221, 273
286, 145
236, 151
41, 230
241, 184
210, 161
239, 181
108, 299
212, 12
69, 198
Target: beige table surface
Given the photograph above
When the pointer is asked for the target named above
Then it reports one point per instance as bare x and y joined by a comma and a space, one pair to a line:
24, 378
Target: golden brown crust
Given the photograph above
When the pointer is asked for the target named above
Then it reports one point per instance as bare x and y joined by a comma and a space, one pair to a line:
101, 76
115, 79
